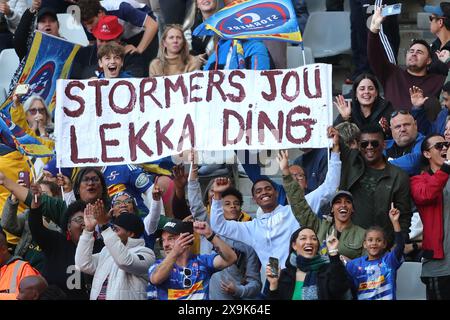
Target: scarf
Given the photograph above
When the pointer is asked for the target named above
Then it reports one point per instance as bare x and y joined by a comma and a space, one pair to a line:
310, 266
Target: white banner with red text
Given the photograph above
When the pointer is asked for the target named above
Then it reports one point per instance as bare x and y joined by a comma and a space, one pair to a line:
137, 120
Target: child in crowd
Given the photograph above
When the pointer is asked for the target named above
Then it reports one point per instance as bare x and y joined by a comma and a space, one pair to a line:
374, 276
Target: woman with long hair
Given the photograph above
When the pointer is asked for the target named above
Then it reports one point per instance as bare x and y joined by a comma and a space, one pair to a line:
173, 54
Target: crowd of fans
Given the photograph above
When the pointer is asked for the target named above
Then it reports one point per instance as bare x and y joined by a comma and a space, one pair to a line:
338, 226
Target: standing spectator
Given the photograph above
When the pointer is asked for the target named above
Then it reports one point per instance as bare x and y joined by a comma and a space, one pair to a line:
173, 54
375, 183
12, 270
138, 21
120, 269
10, 14
309, 275
396, 81
430, 192
59, 249
367, 106
350, 236
375, 275
440, 27
181, 275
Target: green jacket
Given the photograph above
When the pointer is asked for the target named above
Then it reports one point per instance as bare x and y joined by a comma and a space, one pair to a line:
352, 237
393, 186
52, 208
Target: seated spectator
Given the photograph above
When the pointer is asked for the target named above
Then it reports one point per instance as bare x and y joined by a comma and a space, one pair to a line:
375, 183
139, 24
350, 236
397, 81
107, 29
367, 106
10, 14
181, 275
374, 276
309, 275
59, 249
17, 224
403, 150
430, 193
12, 270
32, 287
173, 54
120, 269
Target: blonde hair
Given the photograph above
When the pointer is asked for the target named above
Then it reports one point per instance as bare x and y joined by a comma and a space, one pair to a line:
184, 51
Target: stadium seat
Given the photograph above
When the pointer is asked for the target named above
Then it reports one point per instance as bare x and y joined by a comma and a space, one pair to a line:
295, 56
9, 62
409, 285
328, 33
72, 30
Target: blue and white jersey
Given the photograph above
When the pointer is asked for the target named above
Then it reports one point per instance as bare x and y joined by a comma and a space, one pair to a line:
131, 15
376, 279
184, 283
129, 178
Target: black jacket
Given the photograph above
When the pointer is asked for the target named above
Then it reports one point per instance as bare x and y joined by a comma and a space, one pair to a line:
437, 66
332, 282
23, 32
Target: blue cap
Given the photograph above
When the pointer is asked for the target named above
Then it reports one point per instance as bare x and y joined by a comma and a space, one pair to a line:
442, 10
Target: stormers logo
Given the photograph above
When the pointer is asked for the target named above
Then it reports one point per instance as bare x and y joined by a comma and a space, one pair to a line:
41, 83
259, 17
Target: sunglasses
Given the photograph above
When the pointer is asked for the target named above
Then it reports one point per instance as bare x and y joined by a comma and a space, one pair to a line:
373, 143
36, 110
440, 145
187, 281
431, 18
397, 112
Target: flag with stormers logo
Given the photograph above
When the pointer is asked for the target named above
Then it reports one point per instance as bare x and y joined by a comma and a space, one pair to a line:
254, 19
50, 58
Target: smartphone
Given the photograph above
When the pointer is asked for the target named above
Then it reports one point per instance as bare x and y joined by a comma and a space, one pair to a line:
273, 263
22, 89
25, 177
391, 10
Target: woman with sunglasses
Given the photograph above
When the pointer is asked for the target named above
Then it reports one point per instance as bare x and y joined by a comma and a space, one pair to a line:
431, 193
367, 106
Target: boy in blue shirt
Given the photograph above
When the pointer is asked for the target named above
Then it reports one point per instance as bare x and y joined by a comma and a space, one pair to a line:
374, 276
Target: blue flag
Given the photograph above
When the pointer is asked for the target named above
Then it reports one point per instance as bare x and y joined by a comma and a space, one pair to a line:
254, 19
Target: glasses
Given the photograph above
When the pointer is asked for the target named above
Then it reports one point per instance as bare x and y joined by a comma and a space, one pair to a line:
431, 18
36, 110
440, 145
126, 201
397, 112
79, 220
373, 143
187, 281
94, 179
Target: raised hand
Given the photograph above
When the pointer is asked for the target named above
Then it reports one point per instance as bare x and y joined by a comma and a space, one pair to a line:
156, 193
283, 161
332, 244
89, 220
183, 242
63, 181
394, 215
221, 184
417, 98
443, 55
35, 5
193, 159
344, 107
179, 177
377, 20
202, 228
35, 190
99, 212
334, 134
273, 279
5, 9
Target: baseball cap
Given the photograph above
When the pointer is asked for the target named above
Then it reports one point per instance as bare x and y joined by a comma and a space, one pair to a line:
175, 226
130, 222
340, 193
442, 10
107, 28
46, 11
